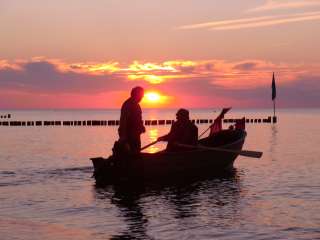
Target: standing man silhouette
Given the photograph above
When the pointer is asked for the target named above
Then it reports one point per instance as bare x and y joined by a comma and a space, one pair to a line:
131, 124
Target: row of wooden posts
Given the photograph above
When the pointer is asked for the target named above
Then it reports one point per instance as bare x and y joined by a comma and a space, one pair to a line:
5, 116
116, 122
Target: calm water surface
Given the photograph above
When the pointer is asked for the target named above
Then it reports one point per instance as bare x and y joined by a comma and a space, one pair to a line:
46, 189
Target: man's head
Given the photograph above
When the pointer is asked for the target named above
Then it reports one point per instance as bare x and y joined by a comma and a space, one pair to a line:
182, 114
137, 93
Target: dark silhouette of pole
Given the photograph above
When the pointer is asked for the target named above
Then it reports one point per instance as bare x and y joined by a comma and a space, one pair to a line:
274, 95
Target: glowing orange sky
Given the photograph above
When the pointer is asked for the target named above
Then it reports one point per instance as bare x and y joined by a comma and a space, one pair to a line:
90, 54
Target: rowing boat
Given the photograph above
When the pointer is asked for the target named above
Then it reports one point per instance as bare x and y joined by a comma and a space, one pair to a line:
189, 163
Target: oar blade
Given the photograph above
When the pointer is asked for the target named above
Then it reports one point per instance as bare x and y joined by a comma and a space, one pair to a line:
247, 153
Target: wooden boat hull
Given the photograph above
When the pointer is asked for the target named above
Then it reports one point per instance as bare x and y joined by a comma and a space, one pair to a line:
164, 165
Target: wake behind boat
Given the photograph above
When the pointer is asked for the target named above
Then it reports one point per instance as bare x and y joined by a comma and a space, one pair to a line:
215, 156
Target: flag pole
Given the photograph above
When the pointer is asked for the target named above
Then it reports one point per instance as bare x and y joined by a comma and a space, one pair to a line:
274, 94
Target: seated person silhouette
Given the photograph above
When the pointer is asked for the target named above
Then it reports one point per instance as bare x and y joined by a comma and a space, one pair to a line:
182, 131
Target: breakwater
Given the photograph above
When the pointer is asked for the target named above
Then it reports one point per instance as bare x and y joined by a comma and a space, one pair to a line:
117, 122
5, 116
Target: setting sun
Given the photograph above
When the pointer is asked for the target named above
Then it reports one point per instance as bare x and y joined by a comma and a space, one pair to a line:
152, 96
155, 99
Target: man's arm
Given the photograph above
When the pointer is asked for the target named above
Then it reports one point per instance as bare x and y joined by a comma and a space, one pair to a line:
167, 137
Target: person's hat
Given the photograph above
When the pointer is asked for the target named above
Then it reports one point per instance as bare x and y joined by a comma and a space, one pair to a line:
183, 112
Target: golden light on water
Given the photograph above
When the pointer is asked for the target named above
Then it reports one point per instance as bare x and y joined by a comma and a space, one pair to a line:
153, 134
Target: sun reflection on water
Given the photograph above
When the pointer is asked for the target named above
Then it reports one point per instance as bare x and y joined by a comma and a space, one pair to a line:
153, 135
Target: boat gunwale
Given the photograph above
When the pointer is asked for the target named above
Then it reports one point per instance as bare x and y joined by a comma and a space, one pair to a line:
225, 146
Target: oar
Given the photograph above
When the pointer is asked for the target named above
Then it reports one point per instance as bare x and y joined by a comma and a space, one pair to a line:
205, 131
247, 153
150, 144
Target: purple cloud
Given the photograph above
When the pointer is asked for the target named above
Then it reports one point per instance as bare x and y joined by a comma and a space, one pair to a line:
246, 66
45, 77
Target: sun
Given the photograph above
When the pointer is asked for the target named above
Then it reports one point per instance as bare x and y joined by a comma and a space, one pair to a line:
152, 97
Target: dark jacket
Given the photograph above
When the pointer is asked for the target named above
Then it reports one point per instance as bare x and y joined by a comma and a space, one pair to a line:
131, 124
184, 132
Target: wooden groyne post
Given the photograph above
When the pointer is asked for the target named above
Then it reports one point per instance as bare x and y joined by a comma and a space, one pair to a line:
5, 116
117, 122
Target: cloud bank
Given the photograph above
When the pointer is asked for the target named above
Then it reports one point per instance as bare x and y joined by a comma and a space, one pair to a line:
47, 83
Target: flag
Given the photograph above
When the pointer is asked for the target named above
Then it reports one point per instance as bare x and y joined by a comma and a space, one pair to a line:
217, 123
273, 86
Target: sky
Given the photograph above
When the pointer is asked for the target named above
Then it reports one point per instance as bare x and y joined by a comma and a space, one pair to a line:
192, 53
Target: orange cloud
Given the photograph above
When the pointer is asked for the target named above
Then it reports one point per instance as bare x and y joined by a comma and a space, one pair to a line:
153, 79
204, 83
5, 64
97, 68
150, 72
146, 67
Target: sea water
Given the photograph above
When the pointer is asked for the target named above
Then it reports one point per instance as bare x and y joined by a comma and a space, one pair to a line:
47, 190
